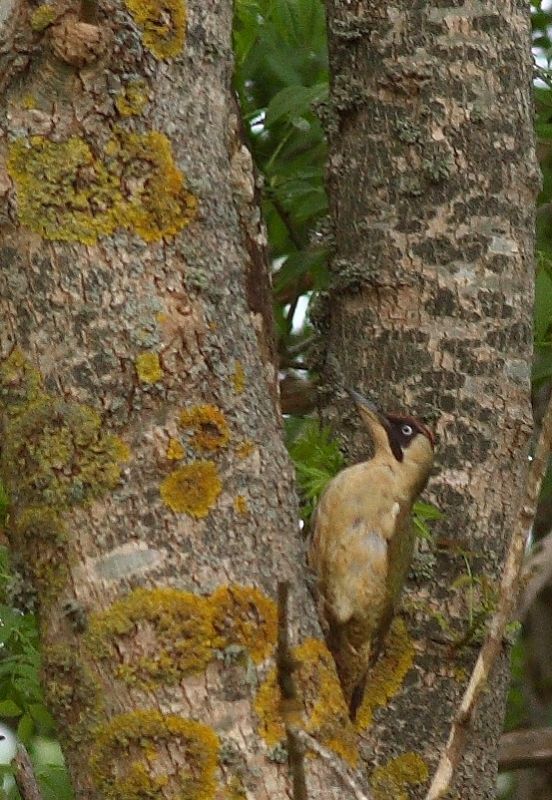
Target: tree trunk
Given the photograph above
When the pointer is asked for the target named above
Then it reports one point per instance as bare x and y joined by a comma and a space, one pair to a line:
152, 503
432, 183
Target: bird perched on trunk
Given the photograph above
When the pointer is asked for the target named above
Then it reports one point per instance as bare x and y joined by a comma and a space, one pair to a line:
362, 542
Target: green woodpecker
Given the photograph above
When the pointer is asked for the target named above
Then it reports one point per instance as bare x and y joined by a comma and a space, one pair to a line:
362, 542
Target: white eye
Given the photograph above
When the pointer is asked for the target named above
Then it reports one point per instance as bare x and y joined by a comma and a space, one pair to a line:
406, 430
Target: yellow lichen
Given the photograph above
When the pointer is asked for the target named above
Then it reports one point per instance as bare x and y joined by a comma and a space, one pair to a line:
171, 629
238, 378
175, 451
192, 489
164, 25
28, 101
132, 99
245, 448
43, 16
325, 712
235, 789
209, 426
146, 754
388, 673
148, 367
241, 506
389, 781
67, 192
245, 616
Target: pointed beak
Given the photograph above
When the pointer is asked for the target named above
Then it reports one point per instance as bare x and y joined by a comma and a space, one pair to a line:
369, 408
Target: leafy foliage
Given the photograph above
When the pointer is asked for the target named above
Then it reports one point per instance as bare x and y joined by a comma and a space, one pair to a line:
316, 457
282, 77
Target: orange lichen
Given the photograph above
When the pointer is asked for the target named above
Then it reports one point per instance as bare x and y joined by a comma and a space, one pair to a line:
209, 426
241, 506
325, 712
175, 451
155, 635
192, 489
390, 780
146, 754
164, 25
243, 615
148, 367
388, 673
245, 448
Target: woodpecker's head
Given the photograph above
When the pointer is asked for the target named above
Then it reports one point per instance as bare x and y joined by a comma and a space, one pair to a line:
407, 439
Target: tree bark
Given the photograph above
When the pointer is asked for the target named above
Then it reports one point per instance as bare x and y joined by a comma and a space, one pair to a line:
432, 183
152, 503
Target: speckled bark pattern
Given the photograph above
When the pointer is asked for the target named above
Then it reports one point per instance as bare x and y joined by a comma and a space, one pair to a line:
141, 330
432, 183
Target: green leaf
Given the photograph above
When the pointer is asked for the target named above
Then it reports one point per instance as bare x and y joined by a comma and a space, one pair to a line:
25, 728
9, 709
294, 101
42, 716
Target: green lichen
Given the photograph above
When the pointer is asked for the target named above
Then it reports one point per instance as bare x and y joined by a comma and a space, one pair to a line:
238, 378
67, 192
148, 367
39, 536
243, 615
129, 758
209, 426
390, 781
72, 693
164, 25
154, 636
321, 703
192, 489
132, 99
54, 455
388, 673
43, 16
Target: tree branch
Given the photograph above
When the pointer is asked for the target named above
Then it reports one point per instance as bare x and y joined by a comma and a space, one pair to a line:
455, 746
524, 749
297, 395
24, 775
285, 666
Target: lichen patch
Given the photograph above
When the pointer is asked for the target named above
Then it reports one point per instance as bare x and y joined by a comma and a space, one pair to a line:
192, 489
68, 192
163, 24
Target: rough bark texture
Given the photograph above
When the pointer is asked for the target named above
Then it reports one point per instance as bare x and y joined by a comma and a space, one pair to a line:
141, 445
432, 182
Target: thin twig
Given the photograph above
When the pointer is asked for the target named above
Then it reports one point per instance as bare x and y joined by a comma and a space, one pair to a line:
285, 666
492, 645
335, 763
24, 775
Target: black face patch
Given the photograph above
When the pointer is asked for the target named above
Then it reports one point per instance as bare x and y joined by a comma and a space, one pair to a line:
402, 431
